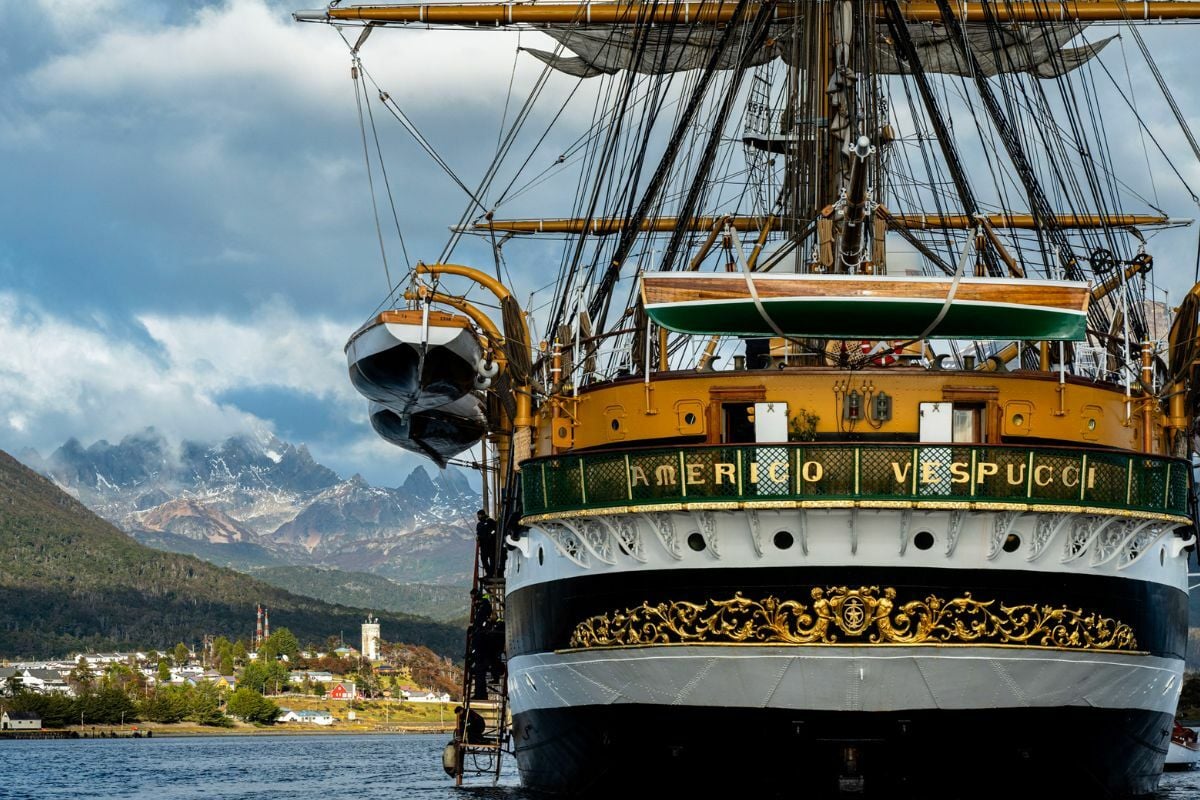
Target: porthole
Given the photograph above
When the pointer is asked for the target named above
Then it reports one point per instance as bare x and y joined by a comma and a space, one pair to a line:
1091, 425
616, 424
689, 418
541, 557
1018, 420
784, 540
696, 542
562, 431
923, 540
1011, 543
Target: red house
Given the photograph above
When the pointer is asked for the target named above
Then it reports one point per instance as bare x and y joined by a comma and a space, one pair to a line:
343, 690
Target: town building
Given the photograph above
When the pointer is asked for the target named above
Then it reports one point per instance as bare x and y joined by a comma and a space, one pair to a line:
370, 638
20, 721
342, 690
307, 717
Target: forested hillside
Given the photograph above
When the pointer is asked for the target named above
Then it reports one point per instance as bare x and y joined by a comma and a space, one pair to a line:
446, 603
69, 580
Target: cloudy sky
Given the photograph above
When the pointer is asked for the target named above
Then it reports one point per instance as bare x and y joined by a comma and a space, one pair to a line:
186, 237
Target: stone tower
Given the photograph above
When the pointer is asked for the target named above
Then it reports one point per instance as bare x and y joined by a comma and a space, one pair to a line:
370, 638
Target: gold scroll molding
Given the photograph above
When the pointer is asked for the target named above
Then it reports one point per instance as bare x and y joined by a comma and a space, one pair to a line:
865, 615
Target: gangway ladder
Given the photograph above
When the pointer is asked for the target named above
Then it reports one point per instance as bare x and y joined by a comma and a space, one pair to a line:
479, 750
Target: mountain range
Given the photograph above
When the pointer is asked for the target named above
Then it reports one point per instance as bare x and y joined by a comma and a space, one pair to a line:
70, 580
256, 501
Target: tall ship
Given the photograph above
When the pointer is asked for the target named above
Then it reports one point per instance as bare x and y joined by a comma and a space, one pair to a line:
839, 437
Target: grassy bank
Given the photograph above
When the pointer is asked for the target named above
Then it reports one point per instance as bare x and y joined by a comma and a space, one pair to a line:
370, 716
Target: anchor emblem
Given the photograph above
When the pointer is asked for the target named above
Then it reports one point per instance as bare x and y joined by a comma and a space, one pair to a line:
854, 617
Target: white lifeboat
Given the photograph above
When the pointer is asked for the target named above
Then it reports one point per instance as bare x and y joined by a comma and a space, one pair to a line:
412, 360
439, 433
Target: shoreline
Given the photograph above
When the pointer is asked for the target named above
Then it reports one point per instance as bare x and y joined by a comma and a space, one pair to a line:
192, 730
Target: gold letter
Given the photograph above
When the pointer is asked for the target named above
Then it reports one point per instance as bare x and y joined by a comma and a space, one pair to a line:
959, 470
773, 471
901, 474
928, 473
1037, 472
754, 472
639, 476
694, 477
985, 469
812, 475
1019, 479
1091, 478
666, 475
1073, 482
724, 471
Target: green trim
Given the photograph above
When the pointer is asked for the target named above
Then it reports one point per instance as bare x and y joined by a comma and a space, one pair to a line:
862, 475
871, 319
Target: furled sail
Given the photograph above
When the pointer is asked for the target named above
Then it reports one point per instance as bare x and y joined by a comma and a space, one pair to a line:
1039, 49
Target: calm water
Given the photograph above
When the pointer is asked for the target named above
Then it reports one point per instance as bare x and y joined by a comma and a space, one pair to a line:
288, 767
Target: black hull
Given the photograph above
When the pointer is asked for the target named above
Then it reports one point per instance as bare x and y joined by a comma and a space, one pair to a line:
1027, 753
541, 617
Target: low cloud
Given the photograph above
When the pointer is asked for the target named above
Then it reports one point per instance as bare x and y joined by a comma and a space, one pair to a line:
88, 377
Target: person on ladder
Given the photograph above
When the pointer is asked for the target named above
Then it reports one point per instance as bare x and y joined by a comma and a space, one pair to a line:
485, 535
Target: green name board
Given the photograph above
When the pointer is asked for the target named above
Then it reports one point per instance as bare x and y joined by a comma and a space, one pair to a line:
915, 473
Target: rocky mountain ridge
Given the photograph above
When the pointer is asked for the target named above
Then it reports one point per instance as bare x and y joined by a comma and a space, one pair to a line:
254, 500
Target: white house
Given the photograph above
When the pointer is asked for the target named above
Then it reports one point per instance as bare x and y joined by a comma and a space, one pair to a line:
428, 697
313, 676
44, 681
307, 717
20, 721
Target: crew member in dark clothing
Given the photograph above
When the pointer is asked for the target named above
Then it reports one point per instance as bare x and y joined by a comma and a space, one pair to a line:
480, 659
494, 649
485, 535
473, 733
758, 353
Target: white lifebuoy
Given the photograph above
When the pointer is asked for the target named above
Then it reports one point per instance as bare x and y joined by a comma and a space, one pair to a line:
487, 369
482, 383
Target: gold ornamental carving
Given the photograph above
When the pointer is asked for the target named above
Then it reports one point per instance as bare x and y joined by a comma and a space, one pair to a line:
863, 615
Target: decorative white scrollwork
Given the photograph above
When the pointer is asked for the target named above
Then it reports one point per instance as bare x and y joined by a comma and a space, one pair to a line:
1002, 525
594, 537
1044, 531
664, 526
1112, 539
905, 522
566, 542
1139, 544
953, 529
755, 532
708, 528
1083, 532
624, 529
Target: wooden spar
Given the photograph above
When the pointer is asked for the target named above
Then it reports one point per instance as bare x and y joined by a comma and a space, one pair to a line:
605, 226
498, 14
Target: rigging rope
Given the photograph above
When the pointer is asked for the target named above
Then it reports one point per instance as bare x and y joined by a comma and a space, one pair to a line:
358, 91
598, 306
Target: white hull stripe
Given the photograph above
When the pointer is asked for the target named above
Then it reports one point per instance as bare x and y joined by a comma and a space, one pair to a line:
845, 679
